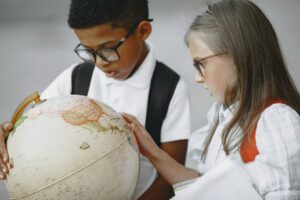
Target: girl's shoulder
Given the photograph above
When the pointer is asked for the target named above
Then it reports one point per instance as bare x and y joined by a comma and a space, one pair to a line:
279, 112
279, 124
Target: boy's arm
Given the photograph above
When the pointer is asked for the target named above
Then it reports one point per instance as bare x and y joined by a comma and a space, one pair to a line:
161, 189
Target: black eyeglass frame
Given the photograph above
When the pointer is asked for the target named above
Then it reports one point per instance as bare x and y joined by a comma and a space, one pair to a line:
97, 52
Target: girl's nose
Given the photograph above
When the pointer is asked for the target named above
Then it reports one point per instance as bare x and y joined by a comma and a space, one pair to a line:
199, 78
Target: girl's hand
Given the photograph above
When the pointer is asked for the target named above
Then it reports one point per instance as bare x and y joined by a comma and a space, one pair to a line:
172, 171
146, 144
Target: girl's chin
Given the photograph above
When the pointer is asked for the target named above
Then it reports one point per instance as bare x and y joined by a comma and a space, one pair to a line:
218, 98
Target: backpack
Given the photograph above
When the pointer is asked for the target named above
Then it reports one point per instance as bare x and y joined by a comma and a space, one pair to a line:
163, 85
249, 150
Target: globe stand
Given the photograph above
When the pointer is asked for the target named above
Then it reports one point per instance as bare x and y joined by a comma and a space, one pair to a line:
35, 97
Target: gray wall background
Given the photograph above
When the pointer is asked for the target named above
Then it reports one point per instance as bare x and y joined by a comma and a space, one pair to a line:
36, 45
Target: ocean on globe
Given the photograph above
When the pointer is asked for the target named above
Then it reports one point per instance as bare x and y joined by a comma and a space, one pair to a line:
72, 148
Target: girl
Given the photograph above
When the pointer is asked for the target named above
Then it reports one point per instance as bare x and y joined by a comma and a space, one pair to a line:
255, 121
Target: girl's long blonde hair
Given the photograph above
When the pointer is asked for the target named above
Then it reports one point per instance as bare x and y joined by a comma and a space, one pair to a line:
240, 28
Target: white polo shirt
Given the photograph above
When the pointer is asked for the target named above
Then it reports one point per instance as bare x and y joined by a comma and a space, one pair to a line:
131, 96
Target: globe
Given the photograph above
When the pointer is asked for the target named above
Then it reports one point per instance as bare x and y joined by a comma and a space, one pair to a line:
72, 148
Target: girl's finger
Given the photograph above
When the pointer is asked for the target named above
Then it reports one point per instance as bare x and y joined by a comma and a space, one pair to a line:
135, 130
129, 118
132, 120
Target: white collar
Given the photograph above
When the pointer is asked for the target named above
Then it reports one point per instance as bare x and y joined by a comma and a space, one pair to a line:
226, 113
140, 79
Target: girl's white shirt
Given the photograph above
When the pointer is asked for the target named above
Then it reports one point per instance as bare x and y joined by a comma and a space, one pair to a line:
275, 172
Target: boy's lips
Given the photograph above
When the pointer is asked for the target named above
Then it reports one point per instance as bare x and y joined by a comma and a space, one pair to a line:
110, 73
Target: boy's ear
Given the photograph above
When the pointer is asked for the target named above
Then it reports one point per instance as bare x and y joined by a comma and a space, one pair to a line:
143, 30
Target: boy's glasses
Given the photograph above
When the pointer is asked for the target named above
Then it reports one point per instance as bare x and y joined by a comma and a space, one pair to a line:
107, 54
198, 62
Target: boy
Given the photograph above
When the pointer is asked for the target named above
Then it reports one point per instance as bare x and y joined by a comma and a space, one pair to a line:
112, 36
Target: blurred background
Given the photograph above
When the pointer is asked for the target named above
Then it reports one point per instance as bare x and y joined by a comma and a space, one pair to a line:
36, 45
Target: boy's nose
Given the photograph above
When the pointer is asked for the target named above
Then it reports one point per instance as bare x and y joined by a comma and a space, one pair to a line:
199, 78
101, 62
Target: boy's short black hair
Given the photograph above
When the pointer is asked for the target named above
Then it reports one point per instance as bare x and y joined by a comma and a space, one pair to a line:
117, 13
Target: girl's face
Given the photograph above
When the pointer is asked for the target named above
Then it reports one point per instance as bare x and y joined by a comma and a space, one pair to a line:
217, 71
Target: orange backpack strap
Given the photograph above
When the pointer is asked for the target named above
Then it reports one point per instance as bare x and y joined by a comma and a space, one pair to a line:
249, 149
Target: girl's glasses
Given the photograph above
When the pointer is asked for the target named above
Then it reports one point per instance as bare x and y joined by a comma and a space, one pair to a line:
198, 62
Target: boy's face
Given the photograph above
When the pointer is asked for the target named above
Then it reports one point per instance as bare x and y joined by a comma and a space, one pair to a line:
131, 52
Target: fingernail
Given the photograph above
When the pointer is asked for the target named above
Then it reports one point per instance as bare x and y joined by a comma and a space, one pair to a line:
5, 158
4, 170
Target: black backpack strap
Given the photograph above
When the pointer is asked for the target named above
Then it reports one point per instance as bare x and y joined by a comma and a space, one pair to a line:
81, 78
163, 85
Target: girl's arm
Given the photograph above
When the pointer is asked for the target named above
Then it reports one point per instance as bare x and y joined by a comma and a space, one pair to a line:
170, 169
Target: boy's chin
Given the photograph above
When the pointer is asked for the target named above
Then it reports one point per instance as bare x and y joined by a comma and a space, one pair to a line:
119, 77
116, 76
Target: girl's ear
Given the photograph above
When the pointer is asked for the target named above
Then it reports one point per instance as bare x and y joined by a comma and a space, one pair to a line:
143, 30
